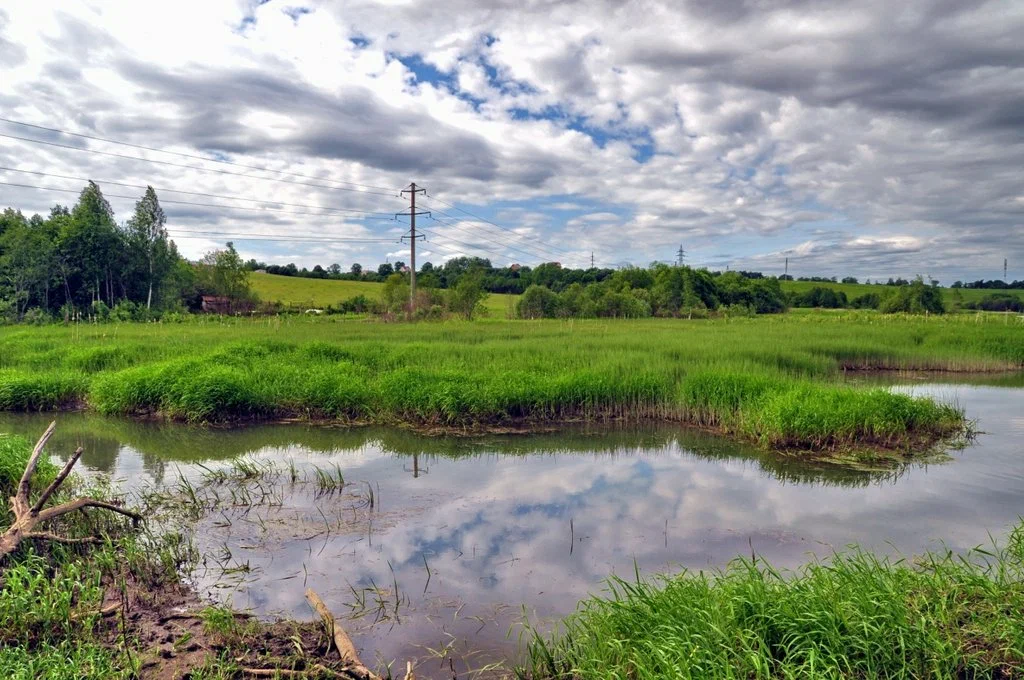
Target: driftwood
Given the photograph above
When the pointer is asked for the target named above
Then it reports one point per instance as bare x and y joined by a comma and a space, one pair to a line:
342, 641
28, 516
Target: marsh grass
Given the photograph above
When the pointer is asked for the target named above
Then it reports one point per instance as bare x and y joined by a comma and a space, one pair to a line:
774, 380
50, 594
855, 616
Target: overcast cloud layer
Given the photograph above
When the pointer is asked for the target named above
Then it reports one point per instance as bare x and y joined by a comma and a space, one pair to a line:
866, 138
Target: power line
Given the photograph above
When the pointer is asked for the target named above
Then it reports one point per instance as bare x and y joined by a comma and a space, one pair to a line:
546, 250
191, 193
483, 219
209, 235
190, 167
184, 155
194, 203
451, 225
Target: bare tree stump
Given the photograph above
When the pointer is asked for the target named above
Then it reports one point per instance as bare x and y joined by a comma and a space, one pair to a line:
27, 517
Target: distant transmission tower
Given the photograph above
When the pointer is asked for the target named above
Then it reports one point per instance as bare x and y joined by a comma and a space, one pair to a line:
680, 254
787, 267
1004, 269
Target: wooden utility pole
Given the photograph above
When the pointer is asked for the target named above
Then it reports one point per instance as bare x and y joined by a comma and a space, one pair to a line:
412, 190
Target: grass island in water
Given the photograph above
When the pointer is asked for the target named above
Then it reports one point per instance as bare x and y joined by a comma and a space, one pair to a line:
774, 380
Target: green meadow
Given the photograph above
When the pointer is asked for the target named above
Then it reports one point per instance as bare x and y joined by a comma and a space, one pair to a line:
775, 380
293, 291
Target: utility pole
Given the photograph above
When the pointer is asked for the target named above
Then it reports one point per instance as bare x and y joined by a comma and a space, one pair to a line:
591, 259
412, 190
679, 255
787, 267
1004, 270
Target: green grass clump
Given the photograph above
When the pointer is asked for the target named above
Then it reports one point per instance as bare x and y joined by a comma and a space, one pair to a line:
774, 379
14, 454
857, 616
40, 391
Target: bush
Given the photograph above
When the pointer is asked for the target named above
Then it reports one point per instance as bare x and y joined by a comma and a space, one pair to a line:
34, 316
998, 302
916, 298
357, 304
126, 310
866, 301
537, 302
821, 297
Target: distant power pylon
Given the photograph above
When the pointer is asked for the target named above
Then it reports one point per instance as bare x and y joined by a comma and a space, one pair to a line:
680, 254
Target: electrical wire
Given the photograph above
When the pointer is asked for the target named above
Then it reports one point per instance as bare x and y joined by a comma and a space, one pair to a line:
210, 235
190, 167
204, 205
184, 155
487, 221
509, 246
541, 252
193, 193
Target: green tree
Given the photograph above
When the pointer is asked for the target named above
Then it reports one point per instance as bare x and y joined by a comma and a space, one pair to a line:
916, 298
395, 294
225, 274
92, 246
468, 295
25, 257
148, 240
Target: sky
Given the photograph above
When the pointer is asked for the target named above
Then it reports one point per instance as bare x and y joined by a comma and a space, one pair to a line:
854, 138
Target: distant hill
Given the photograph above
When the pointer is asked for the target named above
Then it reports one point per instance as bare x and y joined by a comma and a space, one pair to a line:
294, 290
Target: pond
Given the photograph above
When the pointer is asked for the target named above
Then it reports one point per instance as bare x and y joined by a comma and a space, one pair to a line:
438, 547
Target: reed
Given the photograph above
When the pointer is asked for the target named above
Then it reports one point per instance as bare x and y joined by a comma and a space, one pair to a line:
772, 379
857, 615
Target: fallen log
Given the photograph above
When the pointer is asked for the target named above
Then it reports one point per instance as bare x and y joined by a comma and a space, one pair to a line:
341, 640
27, 517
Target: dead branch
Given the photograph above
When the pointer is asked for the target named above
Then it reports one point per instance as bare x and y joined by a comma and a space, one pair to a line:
314, 670
27, 516
342, 641
109, 610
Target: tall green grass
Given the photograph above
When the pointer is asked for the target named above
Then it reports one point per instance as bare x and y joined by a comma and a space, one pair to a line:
774, 380
856, 616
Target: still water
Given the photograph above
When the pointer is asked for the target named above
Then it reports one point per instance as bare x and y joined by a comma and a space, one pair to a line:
466, 536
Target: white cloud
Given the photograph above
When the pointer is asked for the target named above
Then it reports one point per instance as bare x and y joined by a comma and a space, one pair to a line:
766, 120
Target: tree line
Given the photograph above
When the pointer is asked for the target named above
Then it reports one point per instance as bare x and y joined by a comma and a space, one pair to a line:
79, 262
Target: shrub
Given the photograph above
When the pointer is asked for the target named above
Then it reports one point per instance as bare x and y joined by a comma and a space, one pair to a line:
916, 298
537, 302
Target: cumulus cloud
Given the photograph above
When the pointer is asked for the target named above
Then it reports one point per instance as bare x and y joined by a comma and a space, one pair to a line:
741, 127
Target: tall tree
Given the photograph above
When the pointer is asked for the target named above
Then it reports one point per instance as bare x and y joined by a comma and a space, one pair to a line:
92, 243
148, 239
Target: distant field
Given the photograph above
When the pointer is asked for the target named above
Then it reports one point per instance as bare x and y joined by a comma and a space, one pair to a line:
293, 290
853, 290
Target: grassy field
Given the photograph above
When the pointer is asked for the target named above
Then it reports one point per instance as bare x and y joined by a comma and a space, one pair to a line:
770, 379
854, 290
858, 616
291, 290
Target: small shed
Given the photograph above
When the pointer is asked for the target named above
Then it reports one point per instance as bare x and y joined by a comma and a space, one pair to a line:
216, 304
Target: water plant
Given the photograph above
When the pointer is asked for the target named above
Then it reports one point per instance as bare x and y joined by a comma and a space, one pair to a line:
857, 615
